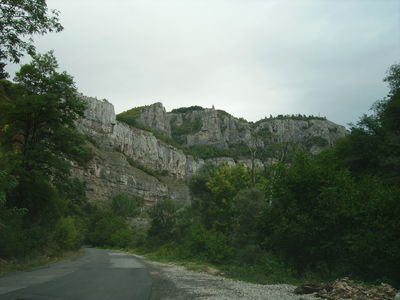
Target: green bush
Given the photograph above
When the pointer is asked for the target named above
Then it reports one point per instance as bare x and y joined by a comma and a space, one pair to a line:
162, 219
249, 255
247, 216
67, 234
298, 117
126, 205
187, 109
149, 171
14, 240
129, 116
122, 237
316, 141
209, 245
107, 229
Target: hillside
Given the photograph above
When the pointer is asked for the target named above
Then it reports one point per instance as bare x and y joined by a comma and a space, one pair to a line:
150, 152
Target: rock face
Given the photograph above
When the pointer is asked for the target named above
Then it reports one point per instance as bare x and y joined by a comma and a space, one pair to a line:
109, 173
204, 126
155, 117
114, 145
135, 161
213, 128
316, 134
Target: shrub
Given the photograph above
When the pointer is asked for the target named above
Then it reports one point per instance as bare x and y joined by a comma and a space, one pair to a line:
67, 235
107, 229
126, 205
187, 109
207, 244
162, 220
122, 237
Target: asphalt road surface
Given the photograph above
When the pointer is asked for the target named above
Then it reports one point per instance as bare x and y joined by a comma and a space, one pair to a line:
99, 274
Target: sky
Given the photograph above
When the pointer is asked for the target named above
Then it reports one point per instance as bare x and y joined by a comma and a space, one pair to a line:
251, 58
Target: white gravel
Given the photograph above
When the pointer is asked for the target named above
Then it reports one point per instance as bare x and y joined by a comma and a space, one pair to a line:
200, 285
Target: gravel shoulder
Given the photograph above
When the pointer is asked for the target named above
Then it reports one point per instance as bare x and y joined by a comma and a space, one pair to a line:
174, 282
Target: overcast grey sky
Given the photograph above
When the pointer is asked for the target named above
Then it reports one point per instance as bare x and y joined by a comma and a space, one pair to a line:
251, 58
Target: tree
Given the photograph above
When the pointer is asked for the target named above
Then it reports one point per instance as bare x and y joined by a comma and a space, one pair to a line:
163, 220
224, 184
38, 137
125, 205
20, 19
374, 143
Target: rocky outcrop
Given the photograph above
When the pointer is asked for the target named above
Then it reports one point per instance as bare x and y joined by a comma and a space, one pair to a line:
155, 117
345, 288
109, 173
114, 145
132, 160
204, 126
315, 134
214, 128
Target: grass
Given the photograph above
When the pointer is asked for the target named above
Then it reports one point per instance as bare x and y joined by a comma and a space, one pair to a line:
248, 273
7, 266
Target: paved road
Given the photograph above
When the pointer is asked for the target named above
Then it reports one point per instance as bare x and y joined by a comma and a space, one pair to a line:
99, 274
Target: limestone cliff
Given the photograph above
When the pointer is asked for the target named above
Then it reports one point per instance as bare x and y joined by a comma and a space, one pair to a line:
121, 153
209, 127
203, 126
141, 162
155, 117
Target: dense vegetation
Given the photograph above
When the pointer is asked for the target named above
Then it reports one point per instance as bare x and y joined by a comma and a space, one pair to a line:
187, 123
188, 126
183, 110
325, 216
335, 214
39, 201
298, 117
129, 116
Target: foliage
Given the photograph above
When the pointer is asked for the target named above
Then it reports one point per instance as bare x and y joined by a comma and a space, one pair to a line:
163, 220
190, 125
373, 147
68, 234
126, 205
316, 141
151, 172
206, 244
325, 216
222, 113
189, 109
12, 235
235, 150
129, 116
19, 19
217, 206
38, 141
107, 229
247, 216
39, 135
298, 117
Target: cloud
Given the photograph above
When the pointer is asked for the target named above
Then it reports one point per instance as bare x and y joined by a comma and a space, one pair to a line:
251, 58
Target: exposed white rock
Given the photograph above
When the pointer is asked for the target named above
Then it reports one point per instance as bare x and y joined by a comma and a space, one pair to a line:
155, 117
109, 172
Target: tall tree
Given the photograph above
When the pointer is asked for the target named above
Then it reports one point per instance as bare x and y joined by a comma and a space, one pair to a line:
374, 143
38, 135
19, 20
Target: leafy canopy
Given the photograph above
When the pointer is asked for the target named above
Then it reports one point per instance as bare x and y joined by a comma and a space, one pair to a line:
20, 19
38, 135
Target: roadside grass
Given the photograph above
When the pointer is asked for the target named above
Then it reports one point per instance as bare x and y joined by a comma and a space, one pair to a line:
249, 273
271, 272
7, 266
